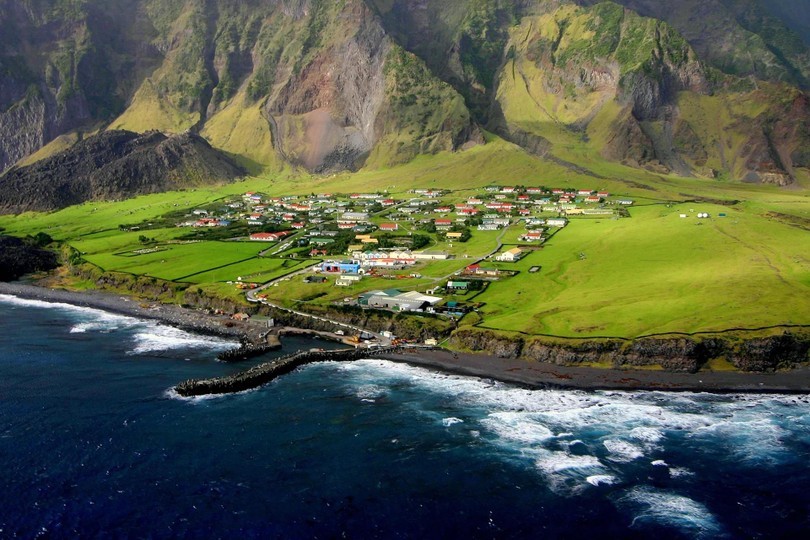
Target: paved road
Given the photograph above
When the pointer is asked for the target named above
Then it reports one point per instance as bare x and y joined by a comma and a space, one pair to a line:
498, 246
252, 296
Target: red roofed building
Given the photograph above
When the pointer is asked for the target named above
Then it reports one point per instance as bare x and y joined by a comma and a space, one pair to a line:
269, 237
264, 237
389, 227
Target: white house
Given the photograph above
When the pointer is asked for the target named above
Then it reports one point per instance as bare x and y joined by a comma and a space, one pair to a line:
513, 255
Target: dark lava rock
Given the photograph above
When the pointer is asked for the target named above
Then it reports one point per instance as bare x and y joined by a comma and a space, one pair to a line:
18, 257
114, 165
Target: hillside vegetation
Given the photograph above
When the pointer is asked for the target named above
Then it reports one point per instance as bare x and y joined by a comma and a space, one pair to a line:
692, 88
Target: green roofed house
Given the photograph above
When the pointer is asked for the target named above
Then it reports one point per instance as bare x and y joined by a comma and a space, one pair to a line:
458, 285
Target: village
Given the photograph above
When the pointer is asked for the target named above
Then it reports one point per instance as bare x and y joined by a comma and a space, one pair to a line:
354, 237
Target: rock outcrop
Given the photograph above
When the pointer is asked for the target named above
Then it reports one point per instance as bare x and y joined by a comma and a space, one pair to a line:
19, 257
114, 165
688, 354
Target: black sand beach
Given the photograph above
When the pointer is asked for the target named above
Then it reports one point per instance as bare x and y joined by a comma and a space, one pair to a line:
510, 370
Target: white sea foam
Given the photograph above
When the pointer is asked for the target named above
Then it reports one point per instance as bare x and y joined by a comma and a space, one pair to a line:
648, 505
171, 393
518, 427
567, 474
451, 421
555, 462
149, 336
680, 472
647, 434
370, 392
100, 321
601, 480
750, 439
532, 425
25, 302
622, 451
92, 318
155, 338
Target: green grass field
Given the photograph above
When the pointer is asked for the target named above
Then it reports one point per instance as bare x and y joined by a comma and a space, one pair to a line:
656, 273
653, 272
259, 270
179, 262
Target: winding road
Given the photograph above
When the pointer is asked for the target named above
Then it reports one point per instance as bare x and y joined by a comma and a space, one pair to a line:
379, 340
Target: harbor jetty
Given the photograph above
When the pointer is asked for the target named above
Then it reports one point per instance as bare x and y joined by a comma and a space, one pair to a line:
264, 373
249, 350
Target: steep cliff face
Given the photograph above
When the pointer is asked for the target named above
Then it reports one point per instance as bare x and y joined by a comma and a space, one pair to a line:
757, 354
698, 89
280, 81
318, 84
114, 165
566, 66
764, 38
64, 66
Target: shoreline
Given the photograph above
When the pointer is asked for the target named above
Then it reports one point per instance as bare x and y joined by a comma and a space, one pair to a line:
508, 370
539, 375
188, 319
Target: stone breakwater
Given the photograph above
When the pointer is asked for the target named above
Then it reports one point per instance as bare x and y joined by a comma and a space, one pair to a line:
264, 373
249, 350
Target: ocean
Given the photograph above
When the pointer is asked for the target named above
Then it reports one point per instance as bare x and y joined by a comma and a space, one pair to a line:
93, 444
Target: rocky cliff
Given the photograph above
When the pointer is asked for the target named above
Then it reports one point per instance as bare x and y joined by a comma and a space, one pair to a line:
19, 257
695, 88
688, 354
114, 165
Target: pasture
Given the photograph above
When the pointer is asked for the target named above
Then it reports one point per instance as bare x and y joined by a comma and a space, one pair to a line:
657, 273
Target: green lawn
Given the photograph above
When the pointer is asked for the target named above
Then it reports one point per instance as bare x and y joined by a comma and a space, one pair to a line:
177, 262
259, 270
658, 273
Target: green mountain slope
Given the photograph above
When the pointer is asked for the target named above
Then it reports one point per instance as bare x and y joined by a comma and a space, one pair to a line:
311, 83
709, 89
316, 84
633, 90
762, 38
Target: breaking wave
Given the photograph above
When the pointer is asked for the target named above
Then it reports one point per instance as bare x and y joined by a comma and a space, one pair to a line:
577, 441
650, 506
146, 336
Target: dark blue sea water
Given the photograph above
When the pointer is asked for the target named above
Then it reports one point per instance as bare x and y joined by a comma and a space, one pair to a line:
93, 445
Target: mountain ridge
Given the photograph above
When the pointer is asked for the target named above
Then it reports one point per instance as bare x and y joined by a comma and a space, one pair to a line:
114, 165
331, 86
